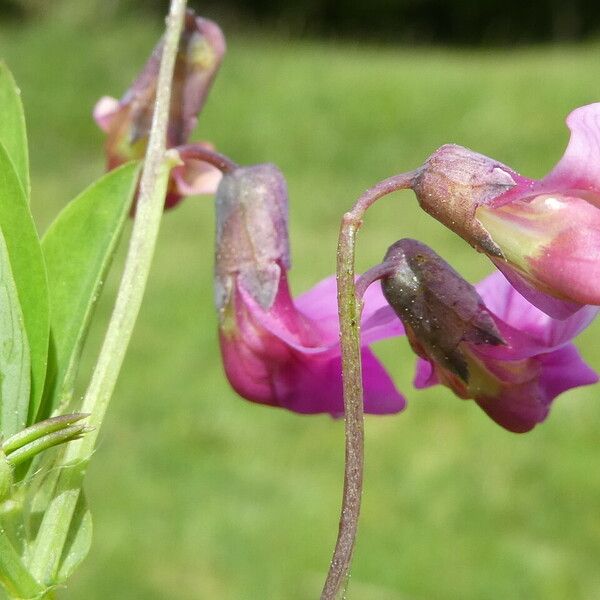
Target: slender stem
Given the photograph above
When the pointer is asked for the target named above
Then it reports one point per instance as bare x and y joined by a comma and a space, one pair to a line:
373, 274
350, 308
158, 163
200, 152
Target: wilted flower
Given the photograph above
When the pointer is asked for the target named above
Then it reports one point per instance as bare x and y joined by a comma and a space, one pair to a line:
488, 344
275, 350
127, 122
543, 235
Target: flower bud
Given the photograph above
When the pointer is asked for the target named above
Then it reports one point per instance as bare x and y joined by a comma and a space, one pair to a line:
438, 307
252, 245
276, 350
453, 182
127, 121
543, 235
487, 344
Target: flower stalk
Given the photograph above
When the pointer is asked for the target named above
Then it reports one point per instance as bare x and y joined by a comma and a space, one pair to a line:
349, 310
202, 153
155, 176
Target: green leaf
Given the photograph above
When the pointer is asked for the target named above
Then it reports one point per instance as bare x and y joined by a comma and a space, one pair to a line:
78, 249
14, 576
13, 134
15, 366
27, 263
78, 542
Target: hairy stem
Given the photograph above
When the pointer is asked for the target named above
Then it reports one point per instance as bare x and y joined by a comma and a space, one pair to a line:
57, 518
349, 309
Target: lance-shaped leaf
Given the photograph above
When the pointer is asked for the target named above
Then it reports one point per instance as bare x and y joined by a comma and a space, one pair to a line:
29, 272
15, 365
78, 248
12, 126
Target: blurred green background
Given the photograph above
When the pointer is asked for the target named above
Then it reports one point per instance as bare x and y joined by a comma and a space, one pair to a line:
197, 494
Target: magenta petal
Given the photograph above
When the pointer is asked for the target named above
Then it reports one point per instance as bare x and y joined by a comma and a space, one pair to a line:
312, 384
424, 374
380, 394
283, 359
519, 410
556, 308
579, 168
564, 369
382, 324
378, 320
515, 412
508, 304
320, 305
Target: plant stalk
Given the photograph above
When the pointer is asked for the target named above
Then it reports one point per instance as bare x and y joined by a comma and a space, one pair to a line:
349, 310
200, 152
155, 176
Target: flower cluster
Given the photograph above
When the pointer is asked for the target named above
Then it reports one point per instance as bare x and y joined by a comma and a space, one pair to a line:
505, 343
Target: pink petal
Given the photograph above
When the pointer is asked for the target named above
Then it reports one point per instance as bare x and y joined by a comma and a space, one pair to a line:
424, 374
579, 168
505, 302
378, 320
564, 369
196, 178
571, 263
520, 409
556, 308
311, 384
105, 110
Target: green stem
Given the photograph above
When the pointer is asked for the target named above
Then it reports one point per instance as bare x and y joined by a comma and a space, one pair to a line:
14, 575
349, 310
157, 165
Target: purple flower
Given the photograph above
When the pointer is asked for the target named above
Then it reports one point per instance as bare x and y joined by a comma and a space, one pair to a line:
127, 121
485, 343
543, 235
275, 350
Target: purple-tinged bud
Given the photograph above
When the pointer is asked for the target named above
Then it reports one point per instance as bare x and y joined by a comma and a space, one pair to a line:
277, 351
485, 343
438, 307
127, 121
453, 182
252, 246
543, 235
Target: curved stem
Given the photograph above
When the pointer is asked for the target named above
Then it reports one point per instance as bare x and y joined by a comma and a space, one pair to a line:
57, 518
200, 152
349, 309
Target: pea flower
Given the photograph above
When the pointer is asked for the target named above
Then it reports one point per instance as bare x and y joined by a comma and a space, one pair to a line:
276, 350
543, 235
485, 343
127, 121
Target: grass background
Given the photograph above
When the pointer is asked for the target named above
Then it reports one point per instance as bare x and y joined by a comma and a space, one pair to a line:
197, 494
